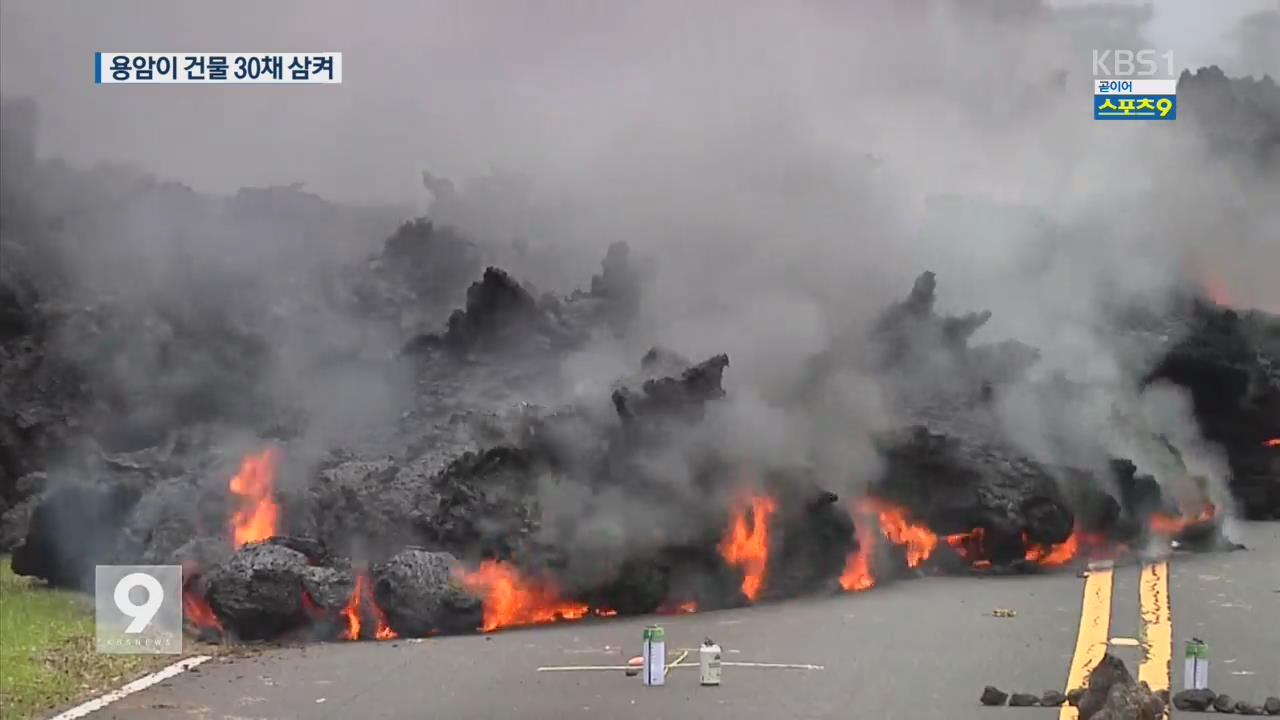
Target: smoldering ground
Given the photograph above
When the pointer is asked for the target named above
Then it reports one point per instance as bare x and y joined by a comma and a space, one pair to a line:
788, 170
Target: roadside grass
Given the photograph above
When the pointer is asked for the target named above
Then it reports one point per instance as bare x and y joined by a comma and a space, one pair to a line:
47, 656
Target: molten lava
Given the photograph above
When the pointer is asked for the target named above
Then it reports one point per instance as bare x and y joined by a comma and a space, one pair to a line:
1164, 524
857, 573
968, 545
1272, 443
1054, 555
512, 599
745, 544
198, 613
897, 529
254, 511
684, 608
362, 596
920, 542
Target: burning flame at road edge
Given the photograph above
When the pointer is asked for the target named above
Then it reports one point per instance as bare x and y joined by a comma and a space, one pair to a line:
511, 599
745, 544
359, 594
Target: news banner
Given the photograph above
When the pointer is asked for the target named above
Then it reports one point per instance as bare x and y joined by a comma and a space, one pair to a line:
323, 68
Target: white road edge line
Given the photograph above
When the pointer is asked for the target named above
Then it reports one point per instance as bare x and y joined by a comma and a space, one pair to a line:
141, 683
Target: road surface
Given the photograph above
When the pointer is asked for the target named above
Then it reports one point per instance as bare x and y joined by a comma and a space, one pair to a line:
911, 650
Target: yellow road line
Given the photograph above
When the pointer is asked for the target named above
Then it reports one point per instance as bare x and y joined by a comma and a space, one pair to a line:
1157, 629
1091, 641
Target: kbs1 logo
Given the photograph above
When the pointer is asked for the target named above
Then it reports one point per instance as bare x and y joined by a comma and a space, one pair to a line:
138, 608
1129, 85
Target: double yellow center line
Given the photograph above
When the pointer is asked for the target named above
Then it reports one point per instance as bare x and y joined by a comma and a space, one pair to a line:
1092, 641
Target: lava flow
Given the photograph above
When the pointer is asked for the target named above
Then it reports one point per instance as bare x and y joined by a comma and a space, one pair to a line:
920, 542
362, 596
745, 544
254, 511
857, 573
512, 599
1163, 524
1054, 555
684, 608
197, 612
897, 529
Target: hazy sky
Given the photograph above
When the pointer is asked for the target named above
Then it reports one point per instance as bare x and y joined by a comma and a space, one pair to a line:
454, 86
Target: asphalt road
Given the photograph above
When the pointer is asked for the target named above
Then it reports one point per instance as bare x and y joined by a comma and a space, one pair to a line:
916, 649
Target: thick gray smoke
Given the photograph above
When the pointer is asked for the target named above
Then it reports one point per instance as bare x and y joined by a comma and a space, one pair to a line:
790, 168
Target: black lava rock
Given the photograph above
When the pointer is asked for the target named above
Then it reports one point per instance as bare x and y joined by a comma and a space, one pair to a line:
257, 594
1023, 700
1224, 704
1244, 707
1194, 700
1113, 694
419, 593
1052, 698
992, 696
1074, 695
1272, 706
1109, 671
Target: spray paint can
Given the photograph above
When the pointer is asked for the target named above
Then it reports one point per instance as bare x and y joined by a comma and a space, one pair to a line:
655, 655
709, 662
1195, 671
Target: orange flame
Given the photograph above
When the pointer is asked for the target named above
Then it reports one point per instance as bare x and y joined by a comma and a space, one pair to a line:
511, 599
684, 608
857, 573
967, 545
1164, 524
198, 613
918, 539
1272, 443
745, 544
255, 511
1054, 555
361, 592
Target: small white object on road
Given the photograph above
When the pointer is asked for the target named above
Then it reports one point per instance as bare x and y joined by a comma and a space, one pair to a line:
709, 663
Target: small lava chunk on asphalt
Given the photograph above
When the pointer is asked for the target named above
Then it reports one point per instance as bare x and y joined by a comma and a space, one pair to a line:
1023, 700
1052, 698
1194, 700
1244, 707
992, 696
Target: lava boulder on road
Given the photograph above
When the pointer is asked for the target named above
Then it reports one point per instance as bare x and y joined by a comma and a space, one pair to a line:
1194, 700
259, 594
417, 591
